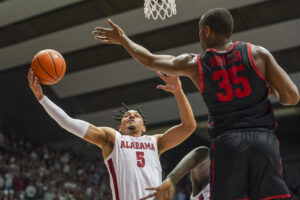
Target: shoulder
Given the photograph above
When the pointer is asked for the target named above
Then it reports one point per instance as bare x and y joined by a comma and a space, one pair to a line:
259, 51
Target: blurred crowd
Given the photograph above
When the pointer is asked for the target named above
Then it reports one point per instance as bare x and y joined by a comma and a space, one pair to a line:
33, 172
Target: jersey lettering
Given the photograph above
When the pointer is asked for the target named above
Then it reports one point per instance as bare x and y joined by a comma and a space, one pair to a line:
225, 83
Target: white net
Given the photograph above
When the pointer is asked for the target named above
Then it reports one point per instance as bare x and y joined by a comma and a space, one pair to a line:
159, 8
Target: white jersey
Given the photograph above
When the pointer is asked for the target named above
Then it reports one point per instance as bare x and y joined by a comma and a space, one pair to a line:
133, 166
203, 194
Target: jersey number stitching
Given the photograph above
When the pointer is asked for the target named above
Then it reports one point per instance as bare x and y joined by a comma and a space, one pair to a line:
232, 77
140, 159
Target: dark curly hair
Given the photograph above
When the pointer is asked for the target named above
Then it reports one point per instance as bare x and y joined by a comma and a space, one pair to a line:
118, 115
219, 20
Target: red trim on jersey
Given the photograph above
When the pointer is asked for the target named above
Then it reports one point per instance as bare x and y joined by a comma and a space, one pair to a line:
229, 49
212, 176
211, 123
253, 63
277, 197
201, 81
242, 199
114, 177
213, 146
280, 161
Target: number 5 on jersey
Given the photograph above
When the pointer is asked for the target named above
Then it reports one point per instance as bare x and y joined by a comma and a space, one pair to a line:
140, 159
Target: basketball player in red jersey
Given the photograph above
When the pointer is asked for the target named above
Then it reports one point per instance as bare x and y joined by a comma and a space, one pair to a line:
234, 80
132, 159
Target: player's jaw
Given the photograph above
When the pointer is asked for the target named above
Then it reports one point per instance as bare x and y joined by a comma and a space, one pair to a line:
132, 123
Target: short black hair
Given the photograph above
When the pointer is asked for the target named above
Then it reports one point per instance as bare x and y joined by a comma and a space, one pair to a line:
219, 20
118, 115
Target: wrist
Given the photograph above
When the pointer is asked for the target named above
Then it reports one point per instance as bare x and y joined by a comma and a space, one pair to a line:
171, 179
39, 97
123, 40
178, 92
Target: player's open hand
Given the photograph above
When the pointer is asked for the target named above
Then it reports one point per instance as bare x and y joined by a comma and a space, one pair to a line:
113, 35
163, 192
35, 85
173, 83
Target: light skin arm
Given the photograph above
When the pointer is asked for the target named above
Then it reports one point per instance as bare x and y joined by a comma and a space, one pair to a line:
100, 136
281, 85
177, 134
183, 65
166, 190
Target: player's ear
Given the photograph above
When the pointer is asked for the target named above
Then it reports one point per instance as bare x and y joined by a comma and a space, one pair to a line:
208, 31
144, 129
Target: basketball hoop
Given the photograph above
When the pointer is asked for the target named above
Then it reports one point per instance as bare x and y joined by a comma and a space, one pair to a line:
159, 8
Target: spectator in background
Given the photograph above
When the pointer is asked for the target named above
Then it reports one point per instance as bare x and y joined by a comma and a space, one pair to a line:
30, 191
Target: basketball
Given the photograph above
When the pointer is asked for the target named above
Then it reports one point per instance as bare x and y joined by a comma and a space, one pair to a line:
49, 66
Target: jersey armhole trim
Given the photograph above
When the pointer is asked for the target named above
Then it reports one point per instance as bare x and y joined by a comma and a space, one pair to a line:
253, 63
201, 81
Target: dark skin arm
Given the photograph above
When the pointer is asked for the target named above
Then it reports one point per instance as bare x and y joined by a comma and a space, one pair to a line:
197, 158
182, 65
281, 85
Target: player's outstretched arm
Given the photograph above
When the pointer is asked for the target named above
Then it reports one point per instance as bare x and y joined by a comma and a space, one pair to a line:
182, 65
179, 133
96, 135
193, 159
278, 79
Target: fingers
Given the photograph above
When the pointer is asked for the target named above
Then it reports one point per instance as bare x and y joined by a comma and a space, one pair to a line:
161, 76
102, 29
104, 40
113, 25
151, 188
148, 196
161, 87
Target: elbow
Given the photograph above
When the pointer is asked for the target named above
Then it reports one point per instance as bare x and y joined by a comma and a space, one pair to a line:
200, 154
291, 99
190, 127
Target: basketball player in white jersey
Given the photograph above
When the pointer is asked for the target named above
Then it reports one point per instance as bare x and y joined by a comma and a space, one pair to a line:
131, 157
198, 163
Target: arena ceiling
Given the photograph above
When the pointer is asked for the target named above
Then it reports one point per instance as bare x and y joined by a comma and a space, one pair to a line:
99, 77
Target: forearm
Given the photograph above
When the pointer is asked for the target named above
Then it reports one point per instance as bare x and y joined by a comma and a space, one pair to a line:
75, 126
153, 62
185, 110
189, 162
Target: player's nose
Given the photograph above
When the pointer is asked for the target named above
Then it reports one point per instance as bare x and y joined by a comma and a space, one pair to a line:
131, 116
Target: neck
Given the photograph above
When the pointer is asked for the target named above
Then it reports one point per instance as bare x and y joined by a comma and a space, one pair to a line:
133, 133
221, 43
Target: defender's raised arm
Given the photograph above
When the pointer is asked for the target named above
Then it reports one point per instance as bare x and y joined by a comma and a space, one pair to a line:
168, 64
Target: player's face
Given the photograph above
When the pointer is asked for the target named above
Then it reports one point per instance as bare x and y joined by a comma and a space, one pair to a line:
131, 122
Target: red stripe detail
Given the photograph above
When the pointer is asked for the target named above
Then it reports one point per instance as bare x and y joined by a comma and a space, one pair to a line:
201, 82
212, 171
277, 197
212, 176
242, 199
211, 123
229, 49
114, 177
213, 146
280, 161
253, 63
